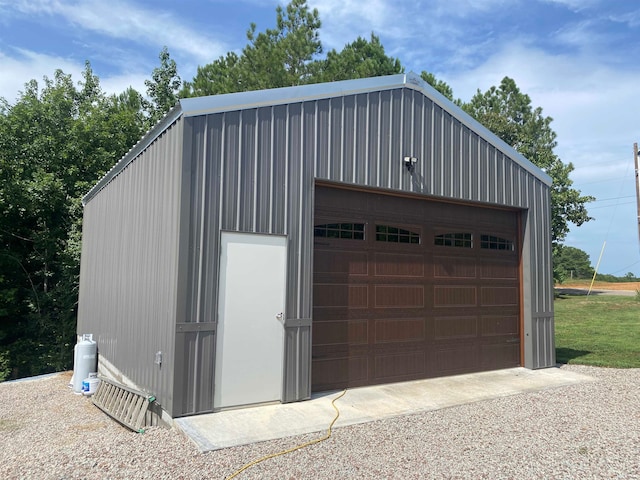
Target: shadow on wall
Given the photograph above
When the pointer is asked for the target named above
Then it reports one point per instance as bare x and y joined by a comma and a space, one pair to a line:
565, 355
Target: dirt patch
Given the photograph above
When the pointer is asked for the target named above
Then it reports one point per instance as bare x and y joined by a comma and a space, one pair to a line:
632, 286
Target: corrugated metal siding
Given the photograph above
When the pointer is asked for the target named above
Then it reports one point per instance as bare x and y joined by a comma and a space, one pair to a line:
258, 176
129, 266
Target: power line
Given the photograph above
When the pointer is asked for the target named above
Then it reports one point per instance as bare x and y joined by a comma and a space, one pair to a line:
612, 198
611, 206
626, 268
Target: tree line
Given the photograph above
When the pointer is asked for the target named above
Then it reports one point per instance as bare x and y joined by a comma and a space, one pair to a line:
60, 137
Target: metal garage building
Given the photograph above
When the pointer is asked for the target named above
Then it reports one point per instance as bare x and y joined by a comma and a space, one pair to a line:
258, 246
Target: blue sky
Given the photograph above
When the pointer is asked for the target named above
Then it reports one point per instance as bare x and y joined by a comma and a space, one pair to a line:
577, 59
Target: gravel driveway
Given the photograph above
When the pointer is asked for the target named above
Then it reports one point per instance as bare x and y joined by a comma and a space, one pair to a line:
585, 431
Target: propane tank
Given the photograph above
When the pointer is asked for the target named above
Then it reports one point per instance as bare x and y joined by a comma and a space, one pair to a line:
85, 361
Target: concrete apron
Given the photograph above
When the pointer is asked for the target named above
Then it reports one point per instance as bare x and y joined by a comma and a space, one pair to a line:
365, 404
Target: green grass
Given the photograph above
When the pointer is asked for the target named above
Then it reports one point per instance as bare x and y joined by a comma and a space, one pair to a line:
598, 330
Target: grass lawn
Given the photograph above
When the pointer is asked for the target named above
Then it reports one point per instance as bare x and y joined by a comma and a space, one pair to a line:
598, 330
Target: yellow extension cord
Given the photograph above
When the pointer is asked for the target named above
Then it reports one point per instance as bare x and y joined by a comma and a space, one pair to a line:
284, 452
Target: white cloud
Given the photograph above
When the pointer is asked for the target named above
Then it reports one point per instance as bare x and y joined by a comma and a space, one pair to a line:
632, 19
592, 104
29, 65
123, 20
26, 65
575, 5
344, 20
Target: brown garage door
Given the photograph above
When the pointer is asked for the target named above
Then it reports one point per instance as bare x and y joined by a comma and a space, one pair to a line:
406, 288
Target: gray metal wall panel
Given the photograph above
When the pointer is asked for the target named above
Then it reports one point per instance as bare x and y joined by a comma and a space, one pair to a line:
129, 266
262, 165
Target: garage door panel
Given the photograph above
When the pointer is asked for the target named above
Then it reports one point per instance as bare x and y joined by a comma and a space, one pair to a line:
499, 296
399, 265
500, 355
340, 262
341, 295
394, 330
398, 296
347, 332
461, 357
493, 325
399, 366
454, 296
454, 267
339, 372
455, 327
500, 270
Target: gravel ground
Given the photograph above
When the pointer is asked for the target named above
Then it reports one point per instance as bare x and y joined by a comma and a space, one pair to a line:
586, 431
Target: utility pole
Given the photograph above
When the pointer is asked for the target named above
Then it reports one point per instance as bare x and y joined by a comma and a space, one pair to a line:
635, 159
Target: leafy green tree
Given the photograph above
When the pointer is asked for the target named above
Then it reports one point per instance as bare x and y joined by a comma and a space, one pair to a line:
278, 57
55, 142
220, 76
572, 262
163, 87
508, 113
359, 59
441, 86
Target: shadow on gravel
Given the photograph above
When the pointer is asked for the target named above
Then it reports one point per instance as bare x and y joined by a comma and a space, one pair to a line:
575, 292
565, 355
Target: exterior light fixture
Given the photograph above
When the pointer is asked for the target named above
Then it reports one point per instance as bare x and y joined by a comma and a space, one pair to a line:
410, 163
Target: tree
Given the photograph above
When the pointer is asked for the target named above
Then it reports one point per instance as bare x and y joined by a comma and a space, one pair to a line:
359, 59
572, 262
220, 76
163, 87
508, 113
55, 143
278, 57
439, 85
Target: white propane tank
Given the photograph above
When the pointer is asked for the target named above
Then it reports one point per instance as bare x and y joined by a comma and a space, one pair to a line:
85, 361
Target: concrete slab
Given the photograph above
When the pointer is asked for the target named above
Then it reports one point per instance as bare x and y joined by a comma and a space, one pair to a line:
366, 404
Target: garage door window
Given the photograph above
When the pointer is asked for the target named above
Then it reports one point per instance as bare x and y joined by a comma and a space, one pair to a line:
349, 231
386, 233
495, 243
464, 240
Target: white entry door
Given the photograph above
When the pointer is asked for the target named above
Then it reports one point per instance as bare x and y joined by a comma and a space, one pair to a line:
250, 331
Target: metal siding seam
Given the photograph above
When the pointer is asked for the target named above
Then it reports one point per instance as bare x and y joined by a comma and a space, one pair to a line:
477, 166
256, 128
329, 135
238, 206
452, 159
412, 123
399, 181
367, 160
354, 151
379, 143
422, 149
300, 212
432, 146
270, 213
223, 160
342, 108
440, 174
285, 199
202, 220
390, 141
315, 137
503, 190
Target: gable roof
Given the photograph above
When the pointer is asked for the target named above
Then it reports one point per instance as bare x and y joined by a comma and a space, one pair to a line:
191, 107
